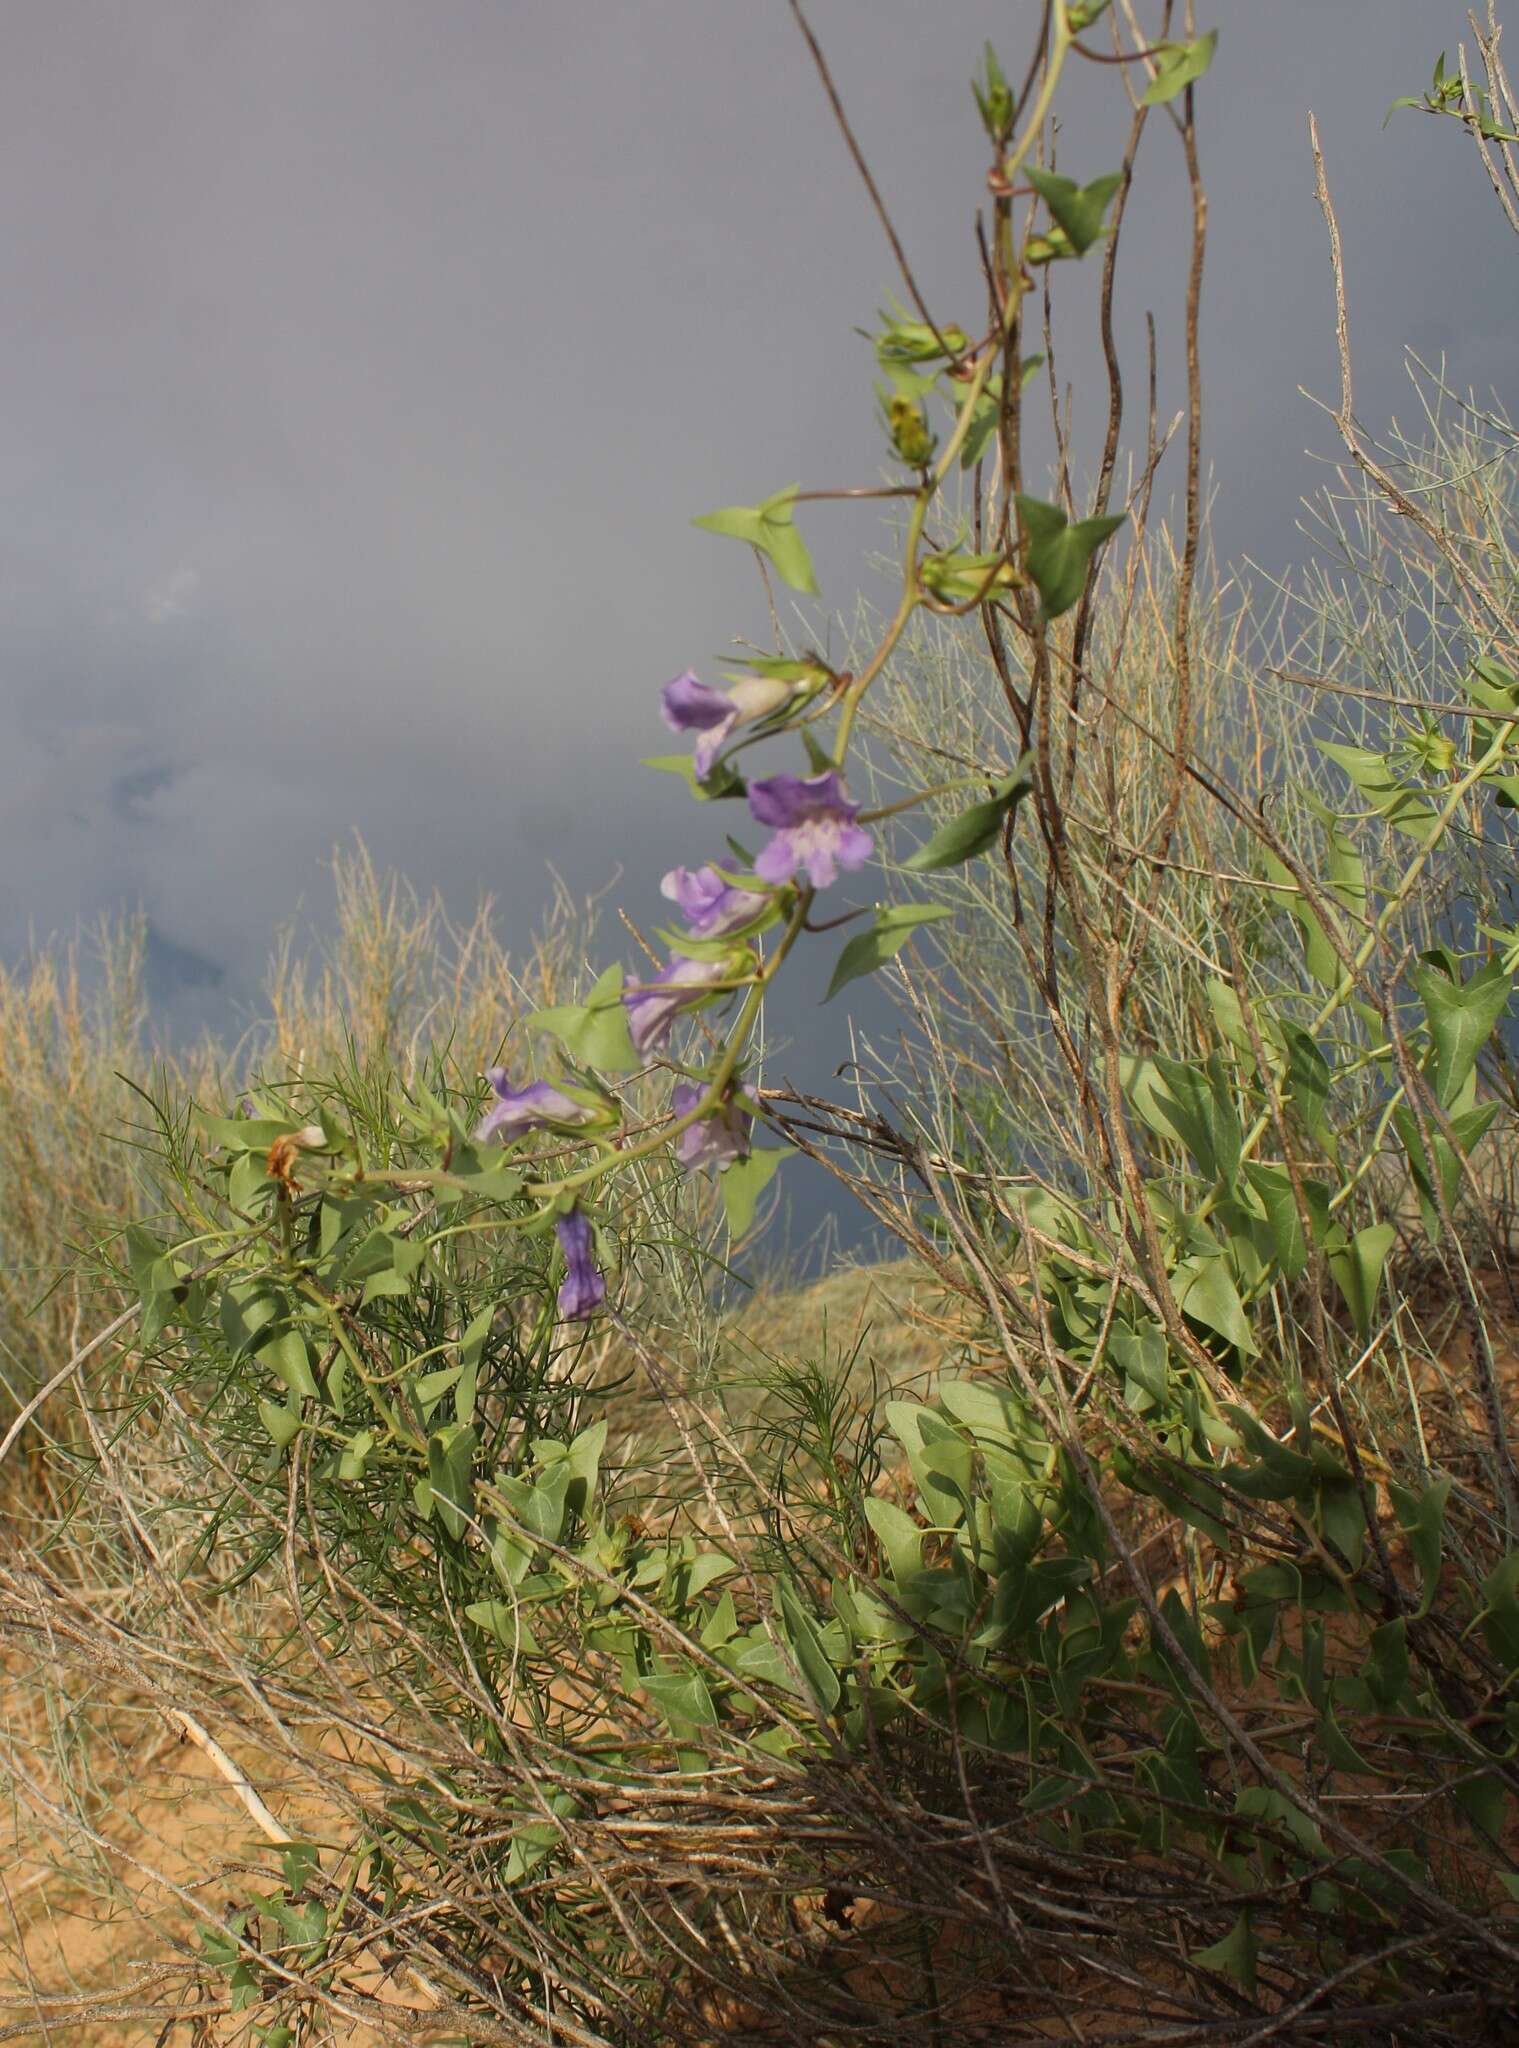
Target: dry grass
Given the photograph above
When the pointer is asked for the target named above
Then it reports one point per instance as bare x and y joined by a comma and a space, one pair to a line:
102, 1897
396, 983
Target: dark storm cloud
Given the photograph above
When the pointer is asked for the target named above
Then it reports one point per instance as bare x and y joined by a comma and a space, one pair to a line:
363, 361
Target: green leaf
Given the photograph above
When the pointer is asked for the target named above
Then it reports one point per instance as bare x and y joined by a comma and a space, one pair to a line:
353, 1460
583, 1460
1077, 210
683, 1700
894, 925
595, 1032
1193, 1104
539, 1505
973, 831
1421, 1517
1235, 1955
281, 1423
1386, 1668
744, 1182
1059, 553
942, 1460
807, 1646
1462, 1018
155, 1278
1469, 1127
1178, 65
1307, 1078
724, 780
450, 1469
898, 1535
705, 1571
487, 1179
1206, 1293
1357, 1270
1372, 775
287, 1357
1319, 955
429, 1390
1273, 1186
771, 529
471, 1350
505, 1621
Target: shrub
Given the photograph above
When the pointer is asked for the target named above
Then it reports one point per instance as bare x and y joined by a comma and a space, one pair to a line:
1160, 1659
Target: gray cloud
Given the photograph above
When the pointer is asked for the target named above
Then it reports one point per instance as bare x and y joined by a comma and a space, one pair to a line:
363, 362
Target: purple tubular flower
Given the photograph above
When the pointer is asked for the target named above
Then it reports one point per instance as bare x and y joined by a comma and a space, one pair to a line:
526, 1109
653, 1009
815, 828
690, 705
693, 706
710, 906
718, 1139
584, 1288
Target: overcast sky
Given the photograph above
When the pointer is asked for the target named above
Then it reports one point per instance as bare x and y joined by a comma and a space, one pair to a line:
363, 361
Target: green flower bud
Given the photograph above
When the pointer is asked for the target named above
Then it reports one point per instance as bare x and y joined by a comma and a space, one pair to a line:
912, 438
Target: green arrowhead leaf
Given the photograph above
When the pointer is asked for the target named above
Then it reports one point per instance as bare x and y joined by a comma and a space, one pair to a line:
1076, 209
351, 1464
450, 1463
281, 1423
898, 1535
1058, 553
744, 1182
288, 1358
1469, 1127
595, 1031
1402, 807
974, 830
1178, 65
1462, 1018
1421, 1517
1205, 1292
723, 781
894, 926
1234, 1956
1357, 1271
807, 1647
770, 528
684, 1701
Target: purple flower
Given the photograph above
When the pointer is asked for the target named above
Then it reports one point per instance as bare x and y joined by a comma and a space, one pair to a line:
815, 828
710, 906
526, 1109
690, 705
653, 1008
584, 1288
717, 1140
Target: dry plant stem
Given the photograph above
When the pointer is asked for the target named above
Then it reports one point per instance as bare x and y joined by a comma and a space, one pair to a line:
842, 121
1498, 159
66, 1372
1480, 595
247, 1796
